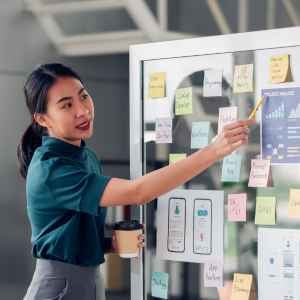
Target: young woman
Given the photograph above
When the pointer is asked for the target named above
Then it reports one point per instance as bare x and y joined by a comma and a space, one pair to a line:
67, 194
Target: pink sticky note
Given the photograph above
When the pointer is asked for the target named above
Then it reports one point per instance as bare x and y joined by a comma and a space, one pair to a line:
260, 172
237, 207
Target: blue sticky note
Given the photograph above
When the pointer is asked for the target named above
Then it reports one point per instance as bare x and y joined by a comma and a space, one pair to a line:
200, 134
231, 168
159, 285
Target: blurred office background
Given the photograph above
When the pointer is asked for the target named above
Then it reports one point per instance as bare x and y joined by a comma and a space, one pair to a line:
86, 35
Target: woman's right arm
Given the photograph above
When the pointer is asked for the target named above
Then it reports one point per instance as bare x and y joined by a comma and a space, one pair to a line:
150, 186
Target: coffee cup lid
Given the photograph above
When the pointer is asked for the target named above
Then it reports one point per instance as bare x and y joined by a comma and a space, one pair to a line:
128, 225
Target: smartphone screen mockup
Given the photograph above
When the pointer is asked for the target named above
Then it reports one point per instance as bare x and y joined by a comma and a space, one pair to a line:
202, 226
176, 224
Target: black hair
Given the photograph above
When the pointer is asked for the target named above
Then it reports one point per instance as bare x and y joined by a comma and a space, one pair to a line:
36, 88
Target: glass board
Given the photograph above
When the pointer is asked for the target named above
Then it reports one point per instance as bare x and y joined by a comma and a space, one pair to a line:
240, 238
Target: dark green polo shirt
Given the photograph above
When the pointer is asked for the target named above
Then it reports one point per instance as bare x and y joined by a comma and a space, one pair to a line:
63, 187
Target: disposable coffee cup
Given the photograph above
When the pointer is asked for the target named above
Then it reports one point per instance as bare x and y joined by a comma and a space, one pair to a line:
127, 238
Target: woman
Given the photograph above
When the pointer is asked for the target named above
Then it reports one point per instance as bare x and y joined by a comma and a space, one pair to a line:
67, 194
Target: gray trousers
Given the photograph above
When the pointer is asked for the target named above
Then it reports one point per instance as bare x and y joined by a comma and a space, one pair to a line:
54, 280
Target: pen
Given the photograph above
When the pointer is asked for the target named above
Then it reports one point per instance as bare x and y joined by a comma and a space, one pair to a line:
258, 104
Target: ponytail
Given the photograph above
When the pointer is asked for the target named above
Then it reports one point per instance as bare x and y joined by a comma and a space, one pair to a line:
31, 139
36, 88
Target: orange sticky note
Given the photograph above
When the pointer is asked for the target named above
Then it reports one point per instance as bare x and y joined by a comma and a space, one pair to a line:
280, 70
241, 287
294, 203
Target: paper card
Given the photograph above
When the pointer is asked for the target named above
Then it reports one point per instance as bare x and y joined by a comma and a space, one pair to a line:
260, 173
212, 84
163, 130
200, 134
227, 115
265, 212
243, 79
184, 101
159, 285
156, 109
231, 167
294, 203
174, 157
157, 85
213, 275
237, 207
241, 287
280, 69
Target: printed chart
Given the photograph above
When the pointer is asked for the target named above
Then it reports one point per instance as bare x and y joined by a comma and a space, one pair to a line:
280, 127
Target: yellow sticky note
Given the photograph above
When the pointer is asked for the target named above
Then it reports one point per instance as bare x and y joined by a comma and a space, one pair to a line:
184, 101
243, 79
174, 157
280, 70
157, 85
265, 212
294, 203
241, 287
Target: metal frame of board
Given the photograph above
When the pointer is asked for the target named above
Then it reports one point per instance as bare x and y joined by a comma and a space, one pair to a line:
286, 37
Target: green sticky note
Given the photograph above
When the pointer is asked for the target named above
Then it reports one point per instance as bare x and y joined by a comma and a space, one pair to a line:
231, 168
184, 101
159, 285
265, 212
200, 134
174, 157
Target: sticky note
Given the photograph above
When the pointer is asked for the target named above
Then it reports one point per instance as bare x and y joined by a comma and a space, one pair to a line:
163, 130
184, 101
243, 79
241, 287
237, 207
259, 173
294, 203
157, 108
159, 285
280, 70
174, 157
157, 85
200, 134
213, 274
231, 167
265, 212
212, 84
227, 115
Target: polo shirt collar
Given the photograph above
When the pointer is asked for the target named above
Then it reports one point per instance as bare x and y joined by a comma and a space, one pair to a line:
63, 147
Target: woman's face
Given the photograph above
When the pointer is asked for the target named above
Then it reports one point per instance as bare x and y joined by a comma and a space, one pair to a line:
70, 111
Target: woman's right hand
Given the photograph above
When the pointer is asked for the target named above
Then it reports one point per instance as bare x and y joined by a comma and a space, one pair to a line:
231, 138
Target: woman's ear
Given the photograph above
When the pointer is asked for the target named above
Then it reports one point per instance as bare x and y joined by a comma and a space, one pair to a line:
41, 119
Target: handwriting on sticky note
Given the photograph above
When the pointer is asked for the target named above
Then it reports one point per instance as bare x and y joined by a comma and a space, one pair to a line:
159, 285
243, 78
213, 274
280, 70
163, 130
259, 173
227, 115
241, 287
157, 85
184, 101
200, 134
294, 203
231, 167
174, 157
212, 84
237, 207
265, 212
